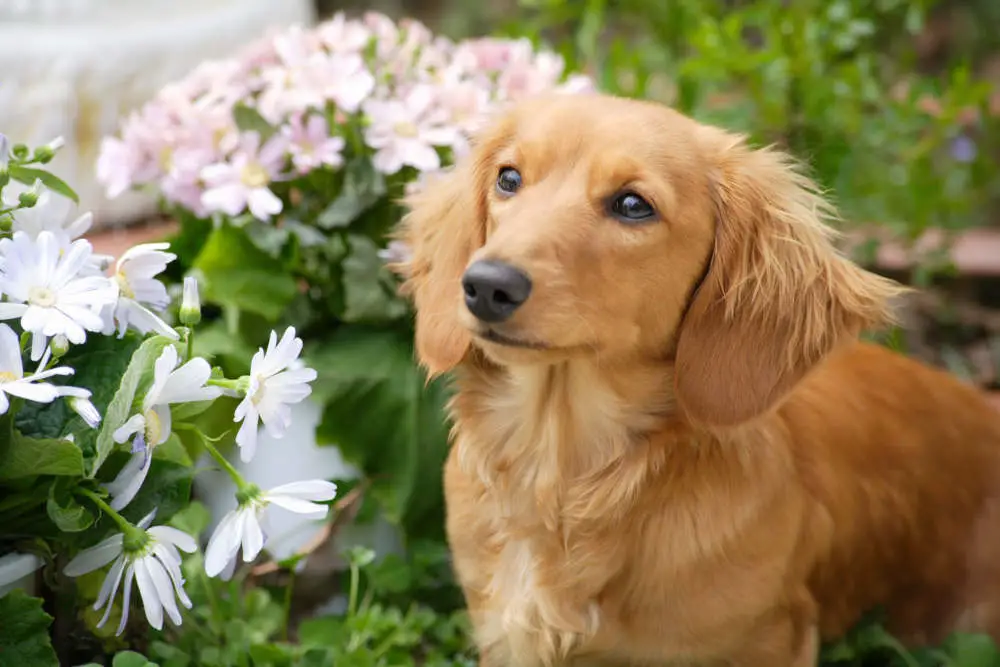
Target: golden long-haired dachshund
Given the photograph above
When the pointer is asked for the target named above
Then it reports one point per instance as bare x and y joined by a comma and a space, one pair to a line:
670, 446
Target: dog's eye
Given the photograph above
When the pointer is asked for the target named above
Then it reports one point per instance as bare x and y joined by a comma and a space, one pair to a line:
630, 207
508, 180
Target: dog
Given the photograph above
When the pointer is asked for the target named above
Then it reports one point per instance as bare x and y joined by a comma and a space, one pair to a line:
670, 445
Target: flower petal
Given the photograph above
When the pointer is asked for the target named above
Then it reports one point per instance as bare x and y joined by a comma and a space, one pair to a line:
95, 557
151, 602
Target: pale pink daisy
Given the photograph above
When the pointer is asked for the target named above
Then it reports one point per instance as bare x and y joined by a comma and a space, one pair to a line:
341, 35
310, 143
405, 131
243, 181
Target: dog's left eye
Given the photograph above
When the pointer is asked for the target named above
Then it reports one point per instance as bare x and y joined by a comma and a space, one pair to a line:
630, 207
508, 181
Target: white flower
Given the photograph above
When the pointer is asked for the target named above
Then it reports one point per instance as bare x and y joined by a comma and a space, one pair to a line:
154, 565
273, 387
152, 426
47, 290
242, 526
15, 566
139, 292
12, 379
4, 150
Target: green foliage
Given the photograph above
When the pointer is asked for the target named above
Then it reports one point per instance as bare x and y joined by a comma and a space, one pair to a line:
24, 638
839, 84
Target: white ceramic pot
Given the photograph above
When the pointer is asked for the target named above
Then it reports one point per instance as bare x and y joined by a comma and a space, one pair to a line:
74, 67
293, 458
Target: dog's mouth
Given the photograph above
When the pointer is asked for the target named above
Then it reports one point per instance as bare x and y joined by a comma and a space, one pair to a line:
494, 337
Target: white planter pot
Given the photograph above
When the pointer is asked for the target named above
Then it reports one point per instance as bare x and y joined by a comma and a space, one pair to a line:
293, 458
75, 67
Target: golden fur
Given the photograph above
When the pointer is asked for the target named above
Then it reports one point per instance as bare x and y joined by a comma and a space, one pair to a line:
695, 462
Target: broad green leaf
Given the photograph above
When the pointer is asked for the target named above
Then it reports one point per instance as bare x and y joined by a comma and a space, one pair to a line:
366, 376
237, 273
99, 364
65, 511
24, 632
248, 119
138, 372
131, 659
363, 187
23, 457
28, 175
369, 288
193, 519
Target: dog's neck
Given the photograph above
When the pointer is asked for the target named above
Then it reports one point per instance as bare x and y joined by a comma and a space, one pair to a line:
545, 438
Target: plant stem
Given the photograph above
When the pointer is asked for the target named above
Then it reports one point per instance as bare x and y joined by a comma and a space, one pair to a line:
190, 343
122, 522
241, 483
352, 599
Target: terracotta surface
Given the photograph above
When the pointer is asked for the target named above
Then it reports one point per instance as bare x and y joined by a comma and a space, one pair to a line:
116, 241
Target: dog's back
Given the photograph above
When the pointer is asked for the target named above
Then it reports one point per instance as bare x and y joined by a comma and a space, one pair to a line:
904, 463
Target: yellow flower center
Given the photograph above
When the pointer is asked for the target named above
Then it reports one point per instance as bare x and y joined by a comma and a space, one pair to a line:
123, 285
166, 159
254, 175
153, 426
42, 297
7, 376
406, 129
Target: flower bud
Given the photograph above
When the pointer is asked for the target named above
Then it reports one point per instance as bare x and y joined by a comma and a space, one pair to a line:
44, 154
29, 197
19, 152
190, 313
4, 149
6, 222
59, 345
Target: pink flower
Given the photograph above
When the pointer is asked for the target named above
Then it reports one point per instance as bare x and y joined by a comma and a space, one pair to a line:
117, 164
347, 81
405, 131
340, 35
243, 181
311, 145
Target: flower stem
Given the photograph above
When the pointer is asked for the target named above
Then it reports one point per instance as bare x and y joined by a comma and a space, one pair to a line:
122, 522
241, 484
190, 343
352, 600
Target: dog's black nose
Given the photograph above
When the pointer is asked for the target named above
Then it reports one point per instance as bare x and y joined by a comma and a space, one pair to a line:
494, 290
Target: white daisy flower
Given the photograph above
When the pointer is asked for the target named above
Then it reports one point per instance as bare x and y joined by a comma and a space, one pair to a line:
274, 384
243, 527
53, 213
152, 426
150, 558
46, 290
12, 379
139, 292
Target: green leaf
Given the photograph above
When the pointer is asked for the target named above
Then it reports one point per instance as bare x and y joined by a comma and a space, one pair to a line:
63, 509
23, 457
193, 519
99, 364
369, 288
138, 372
383, 417
248, 119
363, 187
972, 650
29, 175
24, 639
131, 659
239, 274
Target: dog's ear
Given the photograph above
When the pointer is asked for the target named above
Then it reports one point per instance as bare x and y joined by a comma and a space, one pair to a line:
777, 296
445, 225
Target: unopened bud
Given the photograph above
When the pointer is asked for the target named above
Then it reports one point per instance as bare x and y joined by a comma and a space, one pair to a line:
59, 345
29, 197
6, 222
190, 313
44, 154
20, 152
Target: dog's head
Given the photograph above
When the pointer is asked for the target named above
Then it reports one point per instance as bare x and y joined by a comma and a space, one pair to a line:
623, 230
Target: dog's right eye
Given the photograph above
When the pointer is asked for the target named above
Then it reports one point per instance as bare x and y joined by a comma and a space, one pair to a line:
508, 181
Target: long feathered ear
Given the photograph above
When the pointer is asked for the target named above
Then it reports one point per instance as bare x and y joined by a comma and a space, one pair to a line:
777, 297
446, 224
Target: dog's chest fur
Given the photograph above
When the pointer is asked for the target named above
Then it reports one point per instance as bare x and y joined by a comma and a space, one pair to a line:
561, 457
